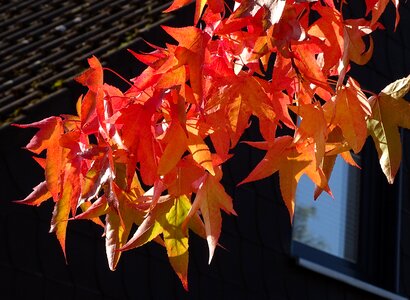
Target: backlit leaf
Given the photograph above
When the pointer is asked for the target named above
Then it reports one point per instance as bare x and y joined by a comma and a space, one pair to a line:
390, 112
39, 195
176, 240
351, 110
210, 199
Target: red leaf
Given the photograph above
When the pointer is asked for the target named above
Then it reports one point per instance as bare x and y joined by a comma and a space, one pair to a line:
93, 77
48, 138
39, 195
377, 7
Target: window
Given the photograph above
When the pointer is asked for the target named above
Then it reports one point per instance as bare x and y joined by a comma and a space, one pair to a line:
330, 224
353, 237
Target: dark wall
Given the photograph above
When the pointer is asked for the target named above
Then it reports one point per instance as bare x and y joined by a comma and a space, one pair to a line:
256, 261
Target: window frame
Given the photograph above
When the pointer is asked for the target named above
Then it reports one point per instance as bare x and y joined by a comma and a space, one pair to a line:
377, 268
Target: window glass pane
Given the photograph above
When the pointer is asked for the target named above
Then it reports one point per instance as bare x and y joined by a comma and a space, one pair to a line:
328, 224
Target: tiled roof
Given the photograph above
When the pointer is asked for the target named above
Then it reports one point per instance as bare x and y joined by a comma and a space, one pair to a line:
44, 43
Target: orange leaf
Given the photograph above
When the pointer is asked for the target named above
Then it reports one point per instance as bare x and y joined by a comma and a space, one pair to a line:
181, 182
355, 30
39, 195
200, 4
291, 164
176, 147
210, 199
60, 216
351, 110
93, 210
93, 77
329, 29
377, 7
176, 4
313, 125
48, 138
272, 160
199, 150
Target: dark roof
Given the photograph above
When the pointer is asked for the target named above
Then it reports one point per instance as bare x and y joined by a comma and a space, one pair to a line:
44, 43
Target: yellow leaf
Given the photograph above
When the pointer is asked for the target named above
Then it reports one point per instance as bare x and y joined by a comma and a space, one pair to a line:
119, 223
390, 111
176, 240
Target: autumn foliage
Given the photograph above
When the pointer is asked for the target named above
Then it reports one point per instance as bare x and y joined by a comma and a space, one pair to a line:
178, 122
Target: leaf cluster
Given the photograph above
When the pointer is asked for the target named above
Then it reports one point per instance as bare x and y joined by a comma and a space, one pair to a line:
199, 94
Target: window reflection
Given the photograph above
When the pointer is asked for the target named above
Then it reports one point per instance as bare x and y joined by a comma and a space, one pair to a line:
327, 224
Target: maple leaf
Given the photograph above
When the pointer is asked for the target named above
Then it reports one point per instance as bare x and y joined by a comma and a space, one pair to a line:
39, 195
181, 181
176, 142
119, 223
329, 30
71, 192
150, 227
287, 31
390, 111
74, 166
199, 150
216, 6
118, 220
93, 79
136, 125
97, 175
62, 172
377, 7
241, 99
335, 145
210, 199
177, 4
176, 240
274, 9
116, 228
350, 110
167, 218
313, 125
190, 51
354, 32
84, 207
284, 157
48, 138
308, 65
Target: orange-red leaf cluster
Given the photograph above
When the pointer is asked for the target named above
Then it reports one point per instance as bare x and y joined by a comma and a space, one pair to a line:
181, 117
